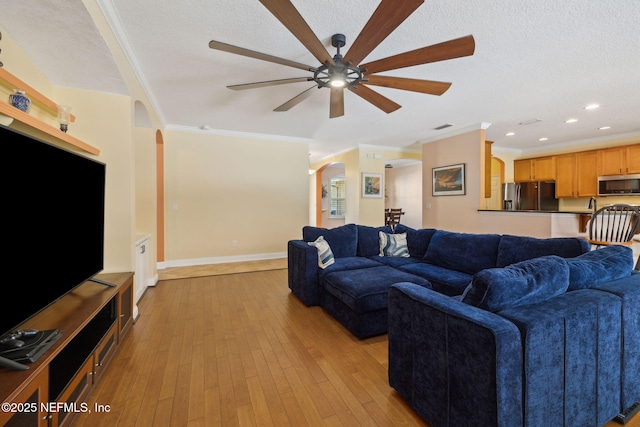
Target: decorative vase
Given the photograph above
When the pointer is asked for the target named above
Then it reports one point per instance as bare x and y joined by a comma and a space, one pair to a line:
19, 100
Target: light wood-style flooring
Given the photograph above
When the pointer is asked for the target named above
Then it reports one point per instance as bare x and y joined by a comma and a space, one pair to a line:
240, 349
222, 268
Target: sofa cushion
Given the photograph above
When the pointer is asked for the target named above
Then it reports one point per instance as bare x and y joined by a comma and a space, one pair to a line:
523, 283
348, 263
417, 240
396, 262
600, 265
366, 289
369, 240
514, 249
464, 252
325, 256
394, 245
443, 280
343, 240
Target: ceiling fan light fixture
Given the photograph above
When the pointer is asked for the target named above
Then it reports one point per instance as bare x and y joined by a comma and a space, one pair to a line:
338, 74
337, 80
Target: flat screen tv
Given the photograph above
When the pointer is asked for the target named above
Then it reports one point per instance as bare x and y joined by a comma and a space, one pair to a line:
53, 234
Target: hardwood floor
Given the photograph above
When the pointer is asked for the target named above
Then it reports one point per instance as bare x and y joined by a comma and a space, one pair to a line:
222, 268
240, 349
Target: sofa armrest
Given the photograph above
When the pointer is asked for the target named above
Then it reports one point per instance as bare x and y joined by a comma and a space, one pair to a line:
452, 362
302, 262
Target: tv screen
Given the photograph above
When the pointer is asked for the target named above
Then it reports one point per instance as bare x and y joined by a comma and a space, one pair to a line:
53, 234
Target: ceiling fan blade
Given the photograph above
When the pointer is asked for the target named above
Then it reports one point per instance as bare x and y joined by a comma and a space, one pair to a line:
424, 86
386, 18
270, 83
456, 48
336, 103
286, 13
295, 100
257, 55
382, 102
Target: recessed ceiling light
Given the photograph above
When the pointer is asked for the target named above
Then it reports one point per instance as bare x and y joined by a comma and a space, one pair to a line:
571, 120
510, 133
604, 128
544, 138
591, 106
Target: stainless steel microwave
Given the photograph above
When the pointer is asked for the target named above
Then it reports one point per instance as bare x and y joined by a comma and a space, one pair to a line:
628, 185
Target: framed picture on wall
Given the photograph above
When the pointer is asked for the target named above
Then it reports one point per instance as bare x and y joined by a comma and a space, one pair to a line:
371, 184
448, 180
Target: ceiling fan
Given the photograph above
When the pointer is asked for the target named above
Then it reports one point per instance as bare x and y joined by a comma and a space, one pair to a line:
338, 73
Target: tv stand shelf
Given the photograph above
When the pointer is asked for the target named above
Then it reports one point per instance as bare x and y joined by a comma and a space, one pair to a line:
93, 320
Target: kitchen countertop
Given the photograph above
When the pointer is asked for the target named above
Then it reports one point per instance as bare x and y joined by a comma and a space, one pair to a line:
539, 211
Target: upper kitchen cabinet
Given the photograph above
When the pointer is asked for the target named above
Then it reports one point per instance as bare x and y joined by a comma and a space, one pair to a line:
586, 176
633, 158
576, 174
538, 169
619, 160
566, 175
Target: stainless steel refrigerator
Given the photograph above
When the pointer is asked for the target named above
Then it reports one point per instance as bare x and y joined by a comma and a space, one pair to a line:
525, 196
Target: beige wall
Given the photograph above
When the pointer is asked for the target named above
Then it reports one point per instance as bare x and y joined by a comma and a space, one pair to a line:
232, 198
460, 213
403, 190
364, 159
103, 121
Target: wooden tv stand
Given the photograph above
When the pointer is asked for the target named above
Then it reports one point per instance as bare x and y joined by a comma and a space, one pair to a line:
93, 320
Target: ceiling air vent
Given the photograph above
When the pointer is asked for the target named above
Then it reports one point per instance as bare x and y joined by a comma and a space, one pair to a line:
444, 126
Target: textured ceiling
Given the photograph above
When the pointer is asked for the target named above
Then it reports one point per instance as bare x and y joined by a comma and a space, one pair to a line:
541, 60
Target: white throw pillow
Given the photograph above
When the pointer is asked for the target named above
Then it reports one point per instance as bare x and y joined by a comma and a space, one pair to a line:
325, 255
393, 245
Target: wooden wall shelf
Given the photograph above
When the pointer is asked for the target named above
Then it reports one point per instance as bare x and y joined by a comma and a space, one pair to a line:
9, 80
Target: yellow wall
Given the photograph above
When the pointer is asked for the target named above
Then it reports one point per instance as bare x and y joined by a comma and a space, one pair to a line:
103, 121
226, 189
364, 159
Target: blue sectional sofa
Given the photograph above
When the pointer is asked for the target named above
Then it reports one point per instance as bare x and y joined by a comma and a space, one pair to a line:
354, 288
484, 329
548, 341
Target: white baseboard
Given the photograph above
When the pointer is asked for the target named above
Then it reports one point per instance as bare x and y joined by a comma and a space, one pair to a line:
218, 260
152, 281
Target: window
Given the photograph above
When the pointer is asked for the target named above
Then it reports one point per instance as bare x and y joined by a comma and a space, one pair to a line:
337, 198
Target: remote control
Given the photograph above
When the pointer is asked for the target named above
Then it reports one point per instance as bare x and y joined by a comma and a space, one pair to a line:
628, 413
11, 364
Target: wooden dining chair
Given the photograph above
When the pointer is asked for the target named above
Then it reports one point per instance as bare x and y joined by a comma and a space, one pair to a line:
393, 217
614, 224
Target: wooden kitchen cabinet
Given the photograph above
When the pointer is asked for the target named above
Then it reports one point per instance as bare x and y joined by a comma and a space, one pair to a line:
544, 168
522, 170
611, 161
586, 175
566, 175
538, 169
619, 160
576, 174
633, 158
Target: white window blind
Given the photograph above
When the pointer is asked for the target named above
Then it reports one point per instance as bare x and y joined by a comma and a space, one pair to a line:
337, 197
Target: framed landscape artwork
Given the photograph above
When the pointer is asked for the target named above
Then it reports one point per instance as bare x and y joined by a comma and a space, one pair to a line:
448, 180
371, 184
